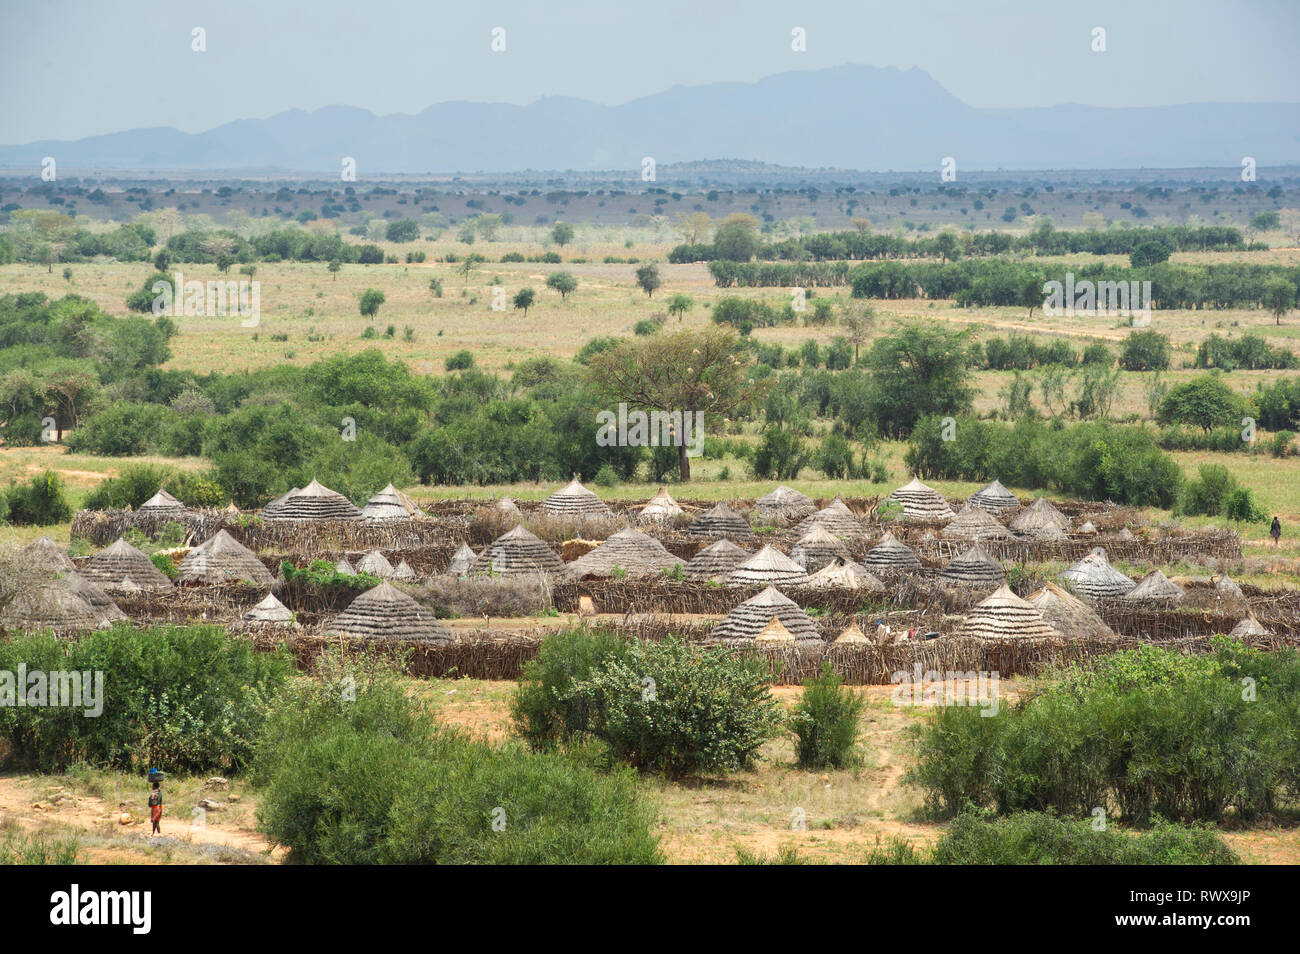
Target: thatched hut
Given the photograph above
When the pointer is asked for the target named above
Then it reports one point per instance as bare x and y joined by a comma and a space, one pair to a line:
974, 568
163, 504
845, 575
837, 519
461, 561
629, 550
743, 624
783, 505
344, 568
517, 552
1249, 626
315, 502
716, 560
817, 548
1228, 588
1003, 616
574, 500
720, 521
921, 504
769, 566
661, 507
45, 552
403, 572
994, 498
270, 612
222, 559
100, 602
774, 634
1094, 577
49, 604
385, 612
275, 507
375, 564
891, 554
1039, 519
121, 561
1155, 587
390, 505
1067, 614
852, 636
974, 523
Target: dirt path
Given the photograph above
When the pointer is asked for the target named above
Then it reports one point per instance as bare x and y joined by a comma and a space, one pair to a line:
22, 801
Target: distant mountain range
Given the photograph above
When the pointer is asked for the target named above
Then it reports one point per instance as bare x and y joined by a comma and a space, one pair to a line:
849, 117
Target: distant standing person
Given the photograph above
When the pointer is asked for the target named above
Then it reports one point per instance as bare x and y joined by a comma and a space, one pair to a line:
155, 808
1275, 531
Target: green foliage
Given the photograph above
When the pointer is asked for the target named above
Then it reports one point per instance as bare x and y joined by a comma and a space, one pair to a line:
544, 708
184, 698
18, 847
1143, 733
460, 361
165, 565
1215, 492
371, 299
825, 722
134, 484
353, 771
781, 455
1148, 253
1145, 351
323, 573
39, 502
1205, 401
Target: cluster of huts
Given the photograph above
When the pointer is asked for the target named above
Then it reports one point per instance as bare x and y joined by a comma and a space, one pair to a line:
66, 596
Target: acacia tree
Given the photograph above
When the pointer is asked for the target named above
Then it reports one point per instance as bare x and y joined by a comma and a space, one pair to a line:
687, 371
1280, 298
524, 299
647, 276
562, 282
857, 320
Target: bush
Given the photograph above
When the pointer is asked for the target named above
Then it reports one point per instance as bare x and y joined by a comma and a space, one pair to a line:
185, 697
135, 484
1145, 733
355, 772
40, 502
825, 722
680, 709
1035, 838
1215, 492
460, 361
544, 708
1145, 351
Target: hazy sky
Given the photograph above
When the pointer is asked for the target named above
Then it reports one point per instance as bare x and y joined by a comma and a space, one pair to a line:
72, 68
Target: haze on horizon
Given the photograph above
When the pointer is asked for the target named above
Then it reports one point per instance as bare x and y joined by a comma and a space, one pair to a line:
75, 68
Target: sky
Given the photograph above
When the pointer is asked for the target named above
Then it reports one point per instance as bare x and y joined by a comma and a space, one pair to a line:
74, 68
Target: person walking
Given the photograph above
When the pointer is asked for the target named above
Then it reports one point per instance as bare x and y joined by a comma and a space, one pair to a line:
155, 808
1275, 531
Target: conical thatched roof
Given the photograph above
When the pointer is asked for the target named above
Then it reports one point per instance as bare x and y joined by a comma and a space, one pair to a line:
1004, 615
344, 568
123, 587
270, 610
275, 507
845, 575
515, 553
121, 561
784, 503
661, 507
1125, 534
231, 508
574, 499
1067, 614
636, 553
1087, 529
716, 560
45, 552
891, 554
774, 633
1249, 627
403, 571
1155, 587
390, 505
315, 502
506, 505
851, 635
50, 603
375, 564
461, 561
921, 503
994, 498
768, 566
974, 568
837, 519
163, 503
1093, 576
222, 559
721, 521
1038, 517
816, 548
1228, 587
385, 612
751, 617
974, 523
103, 607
